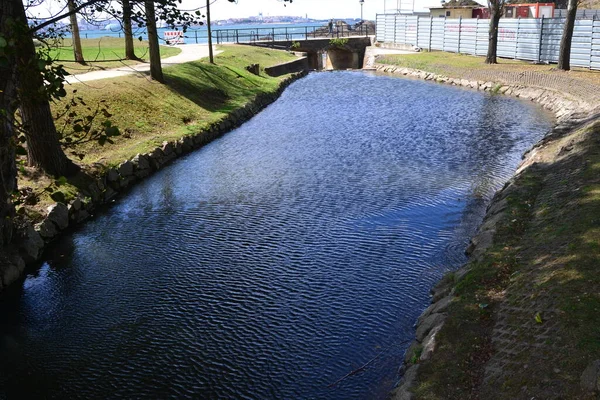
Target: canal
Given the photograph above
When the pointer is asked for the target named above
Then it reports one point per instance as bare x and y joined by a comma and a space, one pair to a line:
275, 260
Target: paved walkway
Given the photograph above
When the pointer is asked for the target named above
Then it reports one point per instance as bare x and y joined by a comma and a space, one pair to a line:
189, 52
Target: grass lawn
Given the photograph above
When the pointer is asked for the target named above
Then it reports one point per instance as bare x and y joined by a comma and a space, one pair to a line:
100, 53
147, 113
195, 95
452, 64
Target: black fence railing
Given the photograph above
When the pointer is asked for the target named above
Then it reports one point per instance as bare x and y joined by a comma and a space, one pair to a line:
291, 33
252, 35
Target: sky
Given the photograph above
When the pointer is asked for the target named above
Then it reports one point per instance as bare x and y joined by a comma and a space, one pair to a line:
316, 9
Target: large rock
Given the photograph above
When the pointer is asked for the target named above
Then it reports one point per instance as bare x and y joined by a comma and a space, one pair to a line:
590, 379
406, 383
429, 343
94, 192
428, 324
411, 352
167, 148
126, 169
155, 158
112, 175
80, 215
141, 162
437, 307
59, 215
76, 204
31, 245
47, 229
11, 270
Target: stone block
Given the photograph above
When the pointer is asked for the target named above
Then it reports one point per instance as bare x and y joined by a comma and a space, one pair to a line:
31, 245
126, 169
428, 324
59, 215
47, 229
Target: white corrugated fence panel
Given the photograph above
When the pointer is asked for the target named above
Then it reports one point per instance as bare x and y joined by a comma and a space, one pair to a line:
581, 45
390, 21
595, 56
437, 34
528, 39
411, 29
507, 38
522, 38
468, 36
423, 31
400, 36
380, 28
452, 31
483, 26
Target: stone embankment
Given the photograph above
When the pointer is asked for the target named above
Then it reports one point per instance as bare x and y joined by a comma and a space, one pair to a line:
32, 239
571, 112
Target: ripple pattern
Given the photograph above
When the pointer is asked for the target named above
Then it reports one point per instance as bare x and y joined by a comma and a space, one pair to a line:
278, 258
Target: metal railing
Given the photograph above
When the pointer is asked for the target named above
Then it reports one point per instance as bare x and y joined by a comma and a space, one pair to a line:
291, 33
253, 35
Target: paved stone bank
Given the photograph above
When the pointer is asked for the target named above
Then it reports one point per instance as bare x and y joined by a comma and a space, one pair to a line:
573, 106
31, 240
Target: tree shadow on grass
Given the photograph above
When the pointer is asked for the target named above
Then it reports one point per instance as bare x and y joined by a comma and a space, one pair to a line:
210, 87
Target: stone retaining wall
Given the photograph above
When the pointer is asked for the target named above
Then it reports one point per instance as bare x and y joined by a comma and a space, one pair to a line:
32, 239
298, 65
571, 112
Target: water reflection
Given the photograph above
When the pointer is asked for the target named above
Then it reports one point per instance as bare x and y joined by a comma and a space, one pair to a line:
278, 258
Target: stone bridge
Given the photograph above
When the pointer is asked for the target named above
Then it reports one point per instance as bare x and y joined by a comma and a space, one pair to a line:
322, 54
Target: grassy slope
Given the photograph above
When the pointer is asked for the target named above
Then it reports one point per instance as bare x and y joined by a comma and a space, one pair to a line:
546, 251
96, 52
195, 95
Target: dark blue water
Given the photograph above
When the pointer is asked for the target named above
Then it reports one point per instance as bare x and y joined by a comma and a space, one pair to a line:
275, 260
225, 33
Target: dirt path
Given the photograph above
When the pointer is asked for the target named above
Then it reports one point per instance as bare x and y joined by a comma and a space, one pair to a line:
189, 52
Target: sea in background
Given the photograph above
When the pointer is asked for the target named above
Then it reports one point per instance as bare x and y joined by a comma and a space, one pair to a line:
198, 34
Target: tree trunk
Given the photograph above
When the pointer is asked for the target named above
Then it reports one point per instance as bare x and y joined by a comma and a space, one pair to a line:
8, 169
77, 50
209, 33
128, 31
155, 64
43, 148
495, 14
564, 57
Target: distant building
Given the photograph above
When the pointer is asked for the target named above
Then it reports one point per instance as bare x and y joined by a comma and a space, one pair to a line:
471, 9
529, 10
455, 9
409, 7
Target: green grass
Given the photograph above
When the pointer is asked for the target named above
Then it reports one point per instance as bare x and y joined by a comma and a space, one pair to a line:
547, 246
99, 52
437, 61
457, 65
195, 95
147, 113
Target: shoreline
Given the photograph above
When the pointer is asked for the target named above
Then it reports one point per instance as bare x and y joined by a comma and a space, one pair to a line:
571, 113
104, 189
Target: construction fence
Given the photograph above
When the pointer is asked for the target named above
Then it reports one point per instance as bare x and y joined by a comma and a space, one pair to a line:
529, 39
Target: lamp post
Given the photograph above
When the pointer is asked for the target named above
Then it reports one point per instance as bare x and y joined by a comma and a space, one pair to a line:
362, 2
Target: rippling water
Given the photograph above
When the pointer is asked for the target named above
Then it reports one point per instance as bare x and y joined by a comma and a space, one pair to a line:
278, 258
